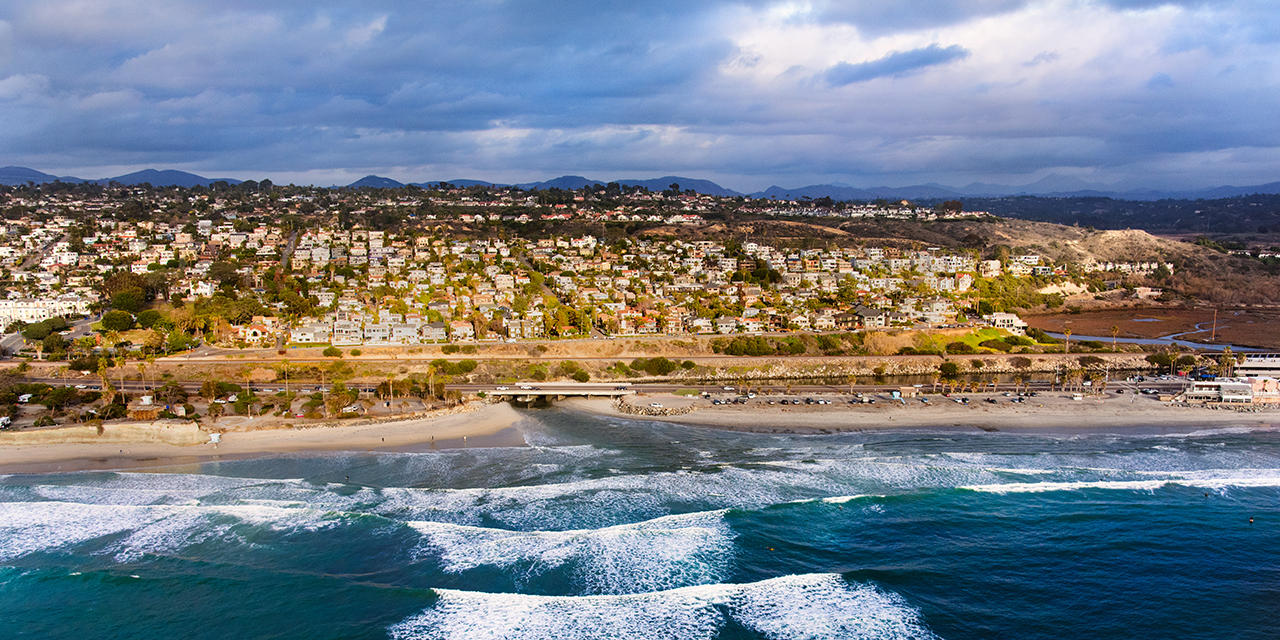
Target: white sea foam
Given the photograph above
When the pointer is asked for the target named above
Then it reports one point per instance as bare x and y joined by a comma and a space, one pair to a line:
1217, 479
657, 554
27, 527
1261, 428
809, 607
30, 527
847, 499
140, 488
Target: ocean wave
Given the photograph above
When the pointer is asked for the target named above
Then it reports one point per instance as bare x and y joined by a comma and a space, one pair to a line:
1217, 479
812, 607
32, 527
662, 553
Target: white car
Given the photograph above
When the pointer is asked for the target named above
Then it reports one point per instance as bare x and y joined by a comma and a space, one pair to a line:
656, 405
728, 388
503, 388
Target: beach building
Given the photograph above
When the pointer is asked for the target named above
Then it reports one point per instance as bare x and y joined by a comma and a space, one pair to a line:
1259, 365
1235, 391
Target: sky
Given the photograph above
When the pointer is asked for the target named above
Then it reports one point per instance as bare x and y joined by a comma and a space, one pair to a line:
1132, 93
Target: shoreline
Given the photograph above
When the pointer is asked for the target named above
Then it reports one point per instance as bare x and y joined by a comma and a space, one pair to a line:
1049, 415
484, 426
493, 425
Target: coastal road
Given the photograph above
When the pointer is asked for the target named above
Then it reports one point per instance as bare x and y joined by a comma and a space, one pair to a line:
11, 343
1164, 386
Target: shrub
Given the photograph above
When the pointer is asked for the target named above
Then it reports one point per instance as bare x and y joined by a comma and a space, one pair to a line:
959, 347
87, 363
688, 364
1041, 336
450, 349
949, 369
356, 352
581, 376
1019, 341
332, 352
659, 366
997, 345
1091, 361
749, 346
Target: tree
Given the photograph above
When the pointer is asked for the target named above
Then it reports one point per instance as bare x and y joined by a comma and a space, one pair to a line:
117, 321
53, 343
1226, 363
154, 340
148, 319
949, 369
224, 273
130, 300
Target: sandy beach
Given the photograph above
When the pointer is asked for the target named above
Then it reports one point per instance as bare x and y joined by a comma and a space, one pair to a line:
487, 424
1048, 413
445, 431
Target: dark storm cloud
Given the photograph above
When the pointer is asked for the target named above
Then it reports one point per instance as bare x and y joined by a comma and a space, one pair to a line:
499, 88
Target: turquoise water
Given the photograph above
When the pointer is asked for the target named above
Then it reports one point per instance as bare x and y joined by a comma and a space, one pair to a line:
607, 528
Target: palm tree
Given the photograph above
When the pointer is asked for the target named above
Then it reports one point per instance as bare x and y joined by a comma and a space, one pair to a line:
1066, 345
1115, 331
104, 371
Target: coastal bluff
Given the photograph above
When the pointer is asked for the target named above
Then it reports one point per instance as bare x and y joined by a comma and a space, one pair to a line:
179, 434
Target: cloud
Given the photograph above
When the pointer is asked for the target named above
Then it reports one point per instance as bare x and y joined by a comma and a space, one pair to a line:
529, 89
881, 16
1043, 57
896, 64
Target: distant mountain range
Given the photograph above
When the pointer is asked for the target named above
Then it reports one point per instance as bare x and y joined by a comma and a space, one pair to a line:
563, 182
14, 176
1050, 186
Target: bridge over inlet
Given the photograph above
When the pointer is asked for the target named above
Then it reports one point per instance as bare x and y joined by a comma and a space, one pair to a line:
557, 391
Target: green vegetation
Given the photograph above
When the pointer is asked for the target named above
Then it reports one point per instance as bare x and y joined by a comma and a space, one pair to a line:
459, 368
659, 366
117, 321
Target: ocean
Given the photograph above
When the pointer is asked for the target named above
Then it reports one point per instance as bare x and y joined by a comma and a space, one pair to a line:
609, 528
